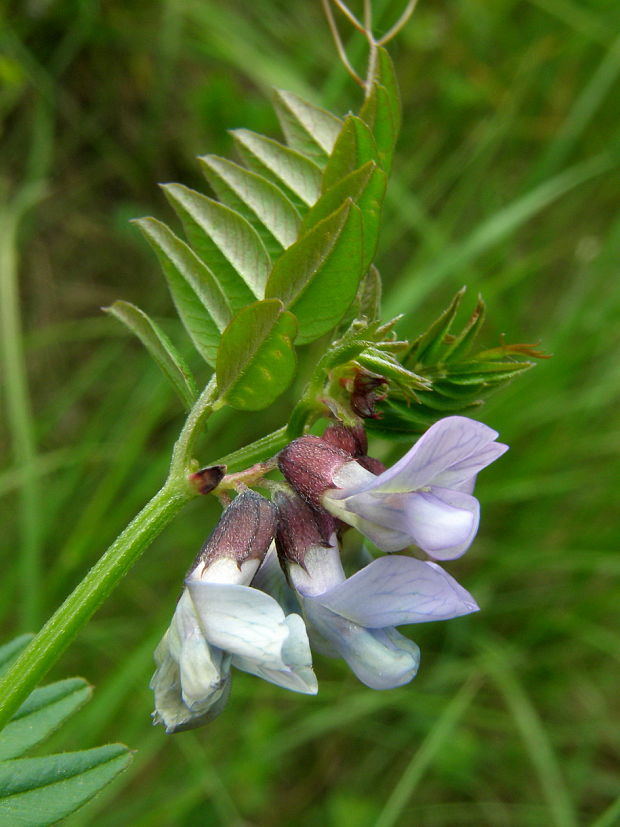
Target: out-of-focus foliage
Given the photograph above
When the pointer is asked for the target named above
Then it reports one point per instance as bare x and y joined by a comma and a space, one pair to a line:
504, 179
44, 789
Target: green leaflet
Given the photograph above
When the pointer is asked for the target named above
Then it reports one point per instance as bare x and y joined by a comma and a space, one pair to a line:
456, 383
259, 201
386, 76
386, 365
461, 344
489, 373
367, 302
307, 128
317, 278
444, 405
376, 112
159, 346
458, 388
368, 297
354, 147
460, 394
198, 298
41, 791
256, 361
399, 418
366, 188
41, 713
299, 176
225, 241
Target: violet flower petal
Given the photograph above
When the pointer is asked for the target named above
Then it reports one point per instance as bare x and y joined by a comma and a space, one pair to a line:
443, 522
394, 590
239, 619
294, 671
380, 658
453, 442
462, 475
383, 518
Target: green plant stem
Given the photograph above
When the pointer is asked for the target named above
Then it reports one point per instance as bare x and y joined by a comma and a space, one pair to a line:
184, 446
62, 627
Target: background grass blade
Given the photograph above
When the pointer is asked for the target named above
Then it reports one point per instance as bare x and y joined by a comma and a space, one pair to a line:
423, 758
18, 405
532, 731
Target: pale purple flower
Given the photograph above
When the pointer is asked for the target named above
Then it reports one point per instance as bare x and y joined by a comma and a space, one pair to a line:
355, 617
221, 621
426, 497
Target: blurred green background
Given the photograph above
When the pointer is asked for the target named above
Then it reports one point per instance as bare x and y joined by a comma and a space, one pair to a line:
506, 179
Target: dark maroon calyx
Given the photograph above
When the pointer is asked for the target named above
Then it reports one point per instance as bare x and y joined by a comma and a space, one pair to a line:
309, 464
351, 440
300, 528
245, 531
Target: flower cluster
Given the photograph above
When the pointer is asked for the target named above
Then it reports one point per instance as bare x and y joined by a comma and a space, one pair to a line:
265, 555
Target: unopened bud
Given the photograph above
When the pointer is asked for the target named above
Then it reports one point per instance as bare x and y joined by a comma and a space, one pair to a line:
355, 442
313, 466
207, 479
364, 396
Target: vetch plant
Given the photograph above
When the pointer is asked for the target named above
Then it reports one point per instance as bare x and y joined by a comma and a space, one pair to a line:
278, 257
